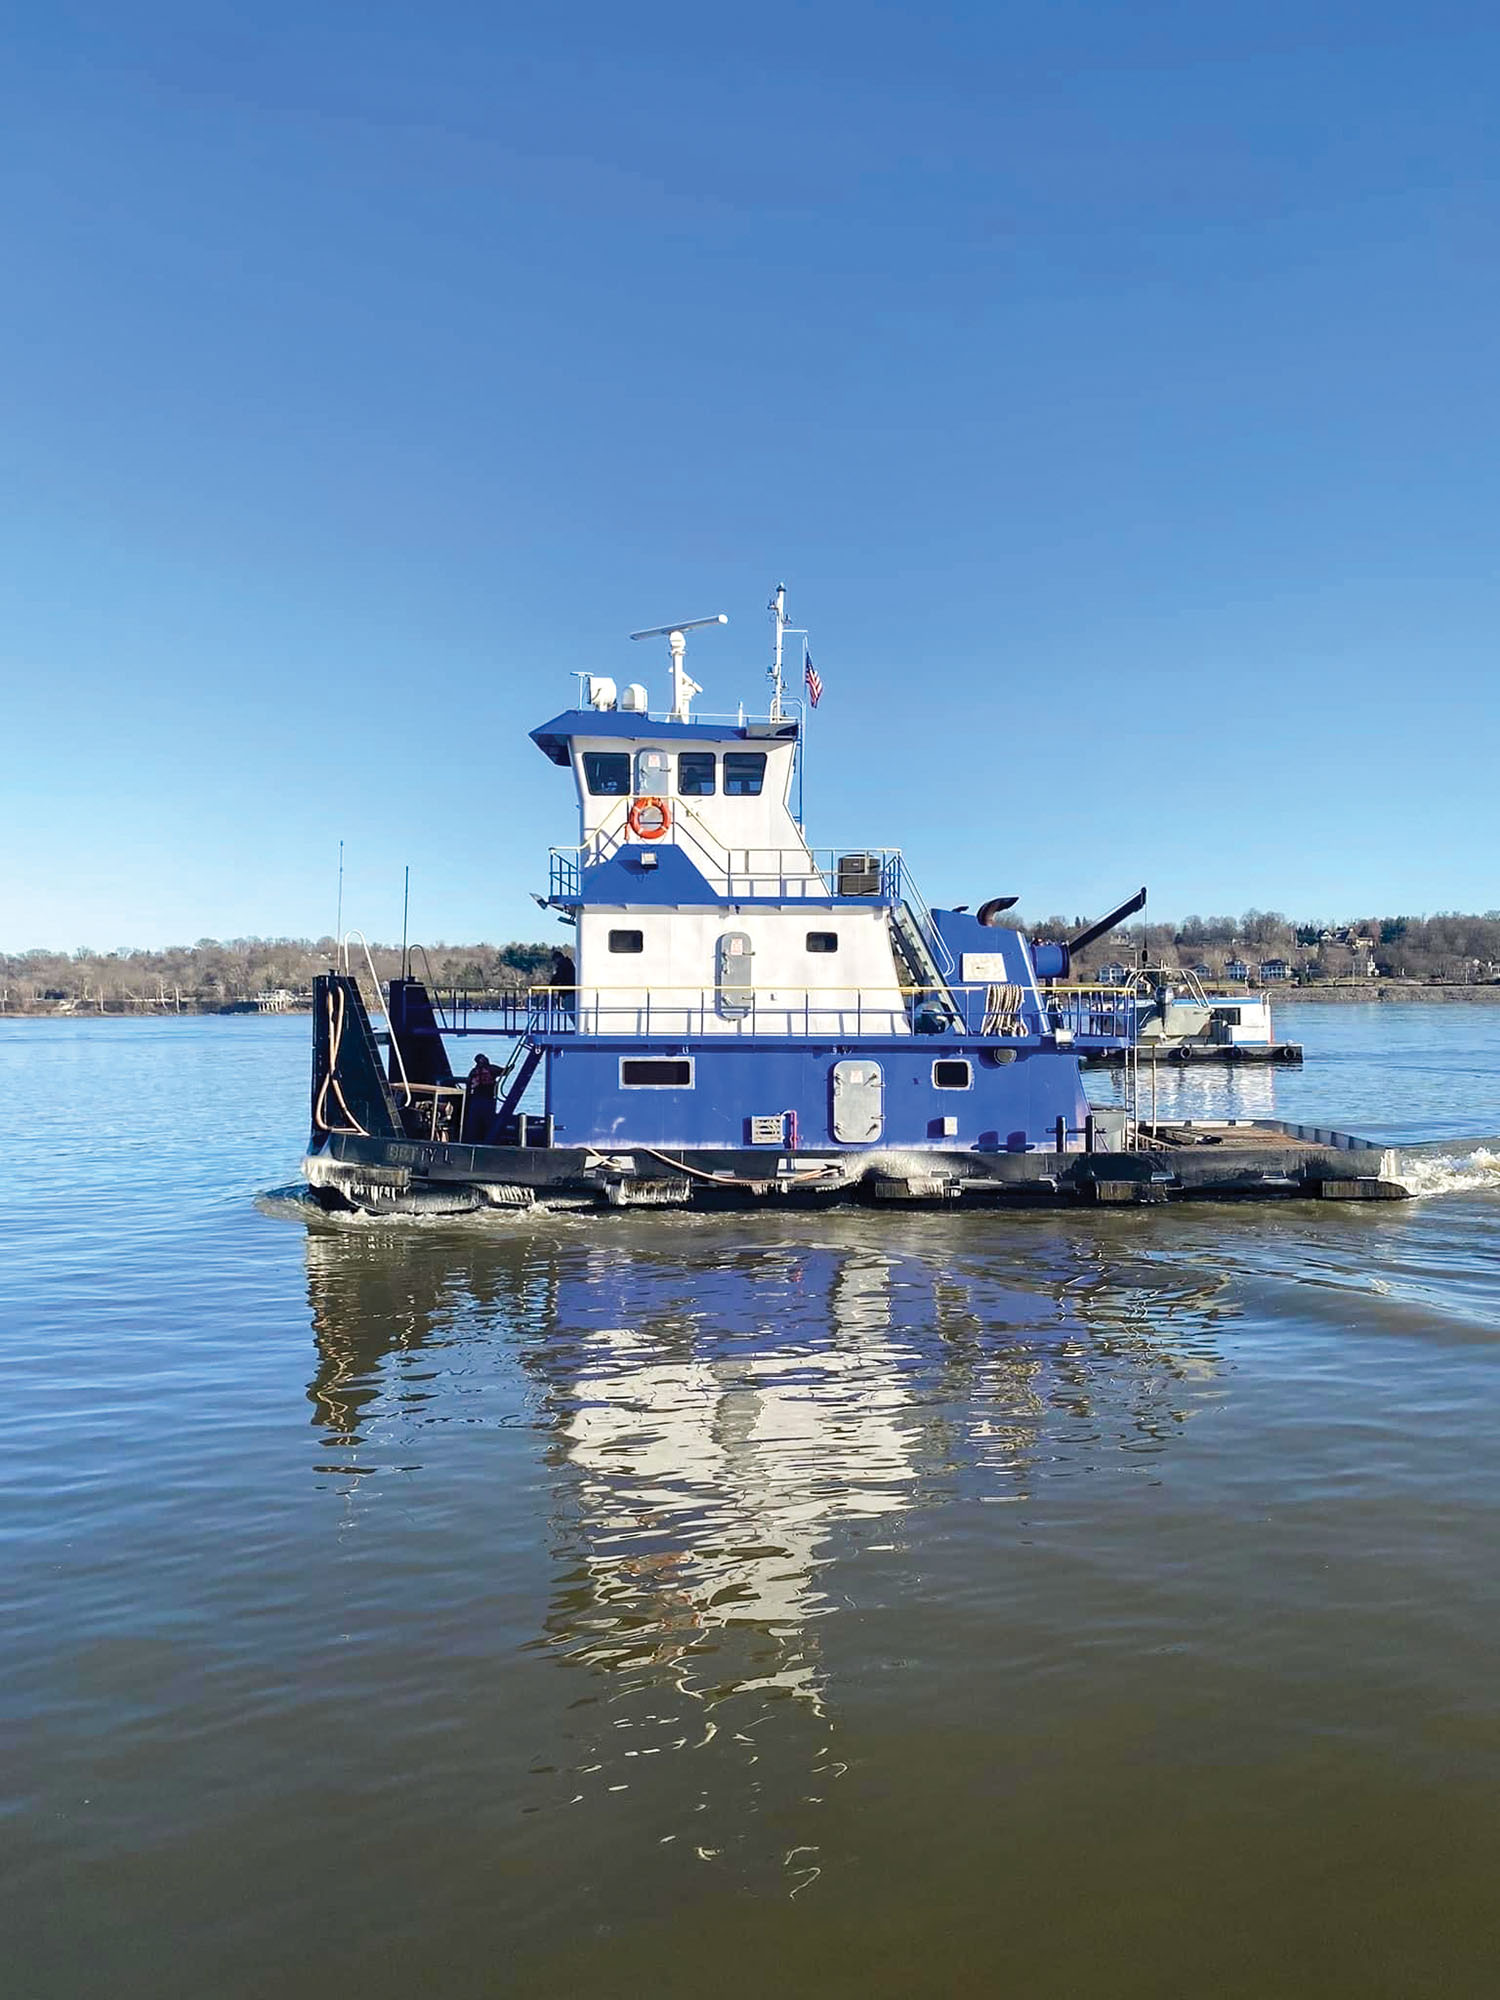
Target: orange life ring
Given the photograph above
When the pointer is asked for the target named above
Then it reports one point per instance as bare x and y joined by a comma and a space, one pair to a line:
648, 819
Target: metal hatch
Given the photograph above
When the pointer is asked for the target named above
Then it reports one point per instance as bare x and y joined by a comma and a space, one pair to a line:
858, 1102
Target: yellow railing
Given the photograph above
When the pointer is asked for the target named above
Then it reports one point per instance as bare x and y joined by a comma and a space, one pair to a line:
998, 1011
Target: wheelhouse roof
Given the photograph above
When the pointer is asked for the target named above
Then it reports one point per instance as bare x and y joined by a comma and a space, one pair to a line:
554, 738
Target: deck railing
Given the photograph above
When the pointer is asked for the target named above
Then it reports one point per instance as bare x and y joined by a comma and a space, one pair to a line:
994, 1013
782, 874
1094, 1013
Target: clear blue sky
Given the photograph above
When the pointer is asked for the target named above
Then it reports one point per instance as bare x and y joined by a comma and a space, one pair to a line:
1114, 386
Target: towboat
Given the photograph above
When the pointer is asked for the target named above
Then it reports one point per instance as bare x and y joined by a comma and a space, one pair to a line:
1179, 1020
744, 1018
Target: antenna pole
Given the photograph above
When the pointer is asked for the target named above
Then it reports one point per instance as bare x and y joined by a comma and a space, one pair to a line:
684, 687
338, 928
405, 907
802, 742
777, 609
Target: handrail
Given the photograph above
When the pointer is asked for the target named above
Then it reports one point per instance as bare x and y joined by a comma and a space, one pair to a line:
932, 937
685, 812
791, 711
382, 1005
703, 837
1113, 994
609, 834
581, 849
435, 993
1093, 989
1145, 979
985, 1010
797, 872
658, 986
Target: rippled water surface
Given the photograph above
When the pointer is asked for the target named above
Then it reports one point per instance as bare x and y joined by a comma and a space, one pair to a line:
1091, 1603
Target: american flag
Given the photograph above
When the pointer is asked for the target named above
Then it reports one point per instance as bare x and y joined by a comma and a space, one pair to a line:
810, 675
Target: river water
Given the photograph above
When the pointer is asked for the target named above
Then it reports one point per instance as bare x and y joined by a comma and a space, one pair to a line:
1090, 1603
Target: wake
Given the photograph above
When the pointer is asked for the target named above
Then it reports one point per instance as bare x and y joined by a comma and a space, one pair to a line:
1450, 1166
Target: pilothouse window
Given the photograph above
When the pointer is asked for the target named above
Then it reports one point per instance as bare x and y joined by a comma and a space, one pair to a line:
695, 773
744, 773
607, 773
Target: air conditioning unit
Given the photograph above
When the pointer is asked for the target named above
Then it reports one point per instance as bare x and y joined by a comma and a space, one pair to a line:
859, 874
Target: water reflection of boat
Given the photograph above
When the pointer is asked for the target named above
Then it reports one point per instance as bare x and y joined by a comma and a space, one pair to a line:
721, 1452
372, 1297
720, 1422
710, 1475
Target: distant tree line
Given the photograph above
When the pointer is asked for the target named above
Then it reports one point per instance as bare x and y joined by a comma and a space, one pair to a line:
218, 972
1451, 948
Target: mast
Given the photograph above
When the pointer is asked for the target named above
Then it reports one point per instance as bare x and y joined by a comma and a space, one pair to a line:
777, 609
684, 687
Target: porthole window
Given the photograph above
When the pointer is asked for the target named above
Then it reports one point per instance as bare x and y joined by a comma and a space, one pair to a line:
744, 773
607, 773
952, 1074
656, 1072
696, 773
627, 941
822, 941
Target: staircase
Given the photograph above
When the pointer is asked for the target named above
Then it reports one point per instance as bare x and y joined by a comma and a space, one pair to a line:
914, 958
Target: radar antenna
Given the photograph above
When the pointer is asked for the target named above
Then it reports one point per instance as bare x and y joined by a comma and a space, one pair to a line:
684, 687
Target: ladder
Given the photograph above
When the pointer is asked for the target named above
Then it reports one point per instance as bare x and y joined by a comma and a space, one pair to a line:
918, 966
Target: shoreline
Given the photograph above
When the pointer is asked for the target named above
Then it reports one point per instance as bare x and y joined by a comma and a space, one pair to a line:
1382, 992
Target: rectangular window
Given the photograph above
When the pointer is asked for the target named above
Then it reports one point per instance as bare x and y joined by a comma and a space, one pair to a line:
656, 1073
952, 1075
695, 773
822, 941
744, 773
627, 941
607, 773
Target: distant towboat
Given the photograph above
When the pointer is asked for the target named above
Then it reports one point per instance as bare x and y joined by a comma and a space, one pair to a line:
1178, 1019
